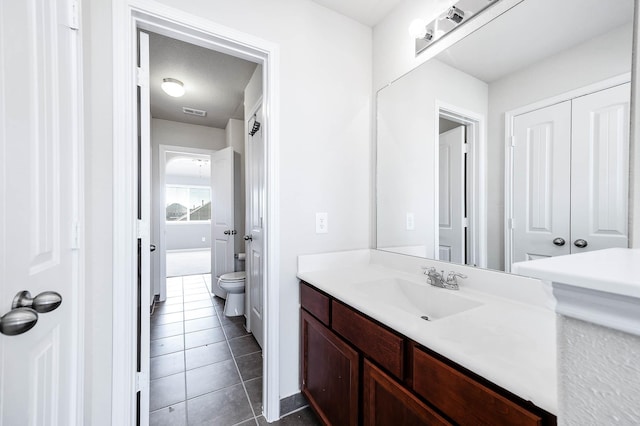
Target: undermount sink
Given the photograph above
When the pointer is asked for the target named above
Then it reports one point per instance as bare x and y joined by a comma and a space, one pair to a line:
428, 302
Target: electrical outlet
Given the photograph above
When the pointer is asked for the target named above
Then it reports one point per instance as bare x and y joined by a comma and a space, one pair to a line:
322, 223
411, 223
204, 239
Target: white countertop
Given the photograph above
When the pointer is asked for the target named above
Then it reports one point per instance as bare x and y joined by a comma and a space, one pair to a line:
510, 343
615, 270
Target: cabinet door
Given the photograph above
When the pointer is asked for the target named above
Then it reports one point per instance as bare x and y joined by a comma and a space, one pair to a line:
329, 373
385, 402
600, 169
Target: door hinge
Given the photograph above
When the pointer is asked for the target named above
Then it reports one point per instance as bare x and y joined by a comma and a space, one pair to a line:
74, 15
511, 223
75, 236
465, 148
142, 229
465, 222
141, 382
142, 77
512, 140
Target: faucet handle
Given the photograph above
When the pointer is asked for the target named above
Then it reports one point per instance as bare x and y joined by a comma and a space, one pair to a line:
452, 277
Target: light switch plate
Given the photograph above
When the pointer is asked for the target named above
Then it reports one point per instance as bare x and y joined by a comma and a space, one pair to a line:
322, 223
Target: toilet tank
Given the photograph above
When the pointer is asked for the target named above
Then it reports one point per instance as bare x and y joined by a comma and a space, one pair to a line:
239, 262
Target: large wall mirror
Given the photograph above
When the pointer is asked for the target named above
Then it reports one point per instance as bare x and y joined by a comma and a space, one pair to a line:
513, 143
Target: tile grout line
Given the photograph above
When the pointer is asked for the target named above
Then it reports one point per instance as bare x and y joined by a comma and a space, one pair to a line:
219, 315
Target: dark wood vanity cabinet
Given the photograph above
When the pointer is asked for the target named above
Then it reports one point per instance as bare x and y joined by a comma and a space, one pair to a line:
387, 402
356, 371
330, 373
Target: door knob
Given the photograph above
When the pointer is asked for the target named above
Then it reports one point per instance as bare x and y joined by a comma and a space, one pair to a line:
559, 241
152, 247
227, 232
44, 302
18, 321
248, 237
580, 243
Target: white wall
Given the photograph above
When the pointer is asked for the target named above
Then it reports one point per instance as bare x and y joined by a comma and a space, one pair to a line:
324, 159
406, 156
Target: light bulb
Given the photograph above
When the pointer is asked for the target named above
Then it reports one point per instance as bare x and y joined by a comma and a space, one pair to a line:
418, 28
173, 87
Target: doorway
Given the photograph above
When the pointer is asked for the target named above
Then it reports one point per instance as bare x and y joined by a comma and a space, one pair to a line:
461, 201
174, 23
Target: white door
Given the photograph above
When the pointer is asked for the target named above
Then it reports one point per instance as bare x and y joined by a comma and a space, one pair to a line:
452, 245
145, 293
255, 217
41, 370
600, 169
541, 183
222, 214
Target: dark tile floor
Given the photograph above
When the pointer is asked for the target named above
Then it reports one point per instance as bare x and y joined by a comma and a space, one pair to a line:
206, 369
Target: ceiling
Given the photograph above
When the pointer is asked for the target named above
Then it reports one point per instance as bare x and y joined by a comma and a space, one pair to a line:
536, 29
368, 12
214, 82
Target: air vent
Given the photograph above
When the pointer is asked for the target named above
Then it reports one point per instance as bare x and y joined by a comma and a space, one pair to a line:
193, 111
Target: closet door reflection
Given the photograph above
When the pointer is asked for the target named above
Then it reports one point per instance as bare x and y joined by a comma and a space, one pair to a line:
570, 162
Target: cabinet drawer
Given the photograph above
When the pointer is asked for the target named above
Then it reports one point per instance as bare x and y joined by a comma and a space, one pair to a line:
465, 400
315, 302
373, 340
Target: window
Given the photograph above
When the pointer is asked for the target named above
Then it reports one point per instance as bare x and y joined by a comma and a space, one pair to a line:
188, 203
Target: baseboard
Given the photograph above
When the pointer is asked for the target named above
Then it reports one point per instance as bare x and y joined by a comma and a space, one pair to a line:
292, 403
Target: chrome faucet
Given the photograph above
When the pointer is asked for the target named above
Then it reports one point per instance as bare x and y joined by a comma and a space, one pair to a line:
437, 279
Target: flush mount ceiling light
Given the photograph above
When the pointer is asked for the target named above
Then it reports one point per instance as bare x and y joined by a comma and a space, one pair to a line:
173, 87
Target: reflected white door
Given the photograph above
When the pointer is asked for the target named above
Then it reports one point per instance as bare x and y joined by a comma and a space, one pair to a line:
41, 371
600, 169
255, 246
222, 210
451, 216
541, 182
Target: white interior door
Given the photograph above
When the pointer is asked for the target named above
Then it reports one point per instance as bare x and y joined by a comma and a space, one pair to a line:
41, 370
222, 216
541, 182
452, 196
255, 220
600, 169
145, 292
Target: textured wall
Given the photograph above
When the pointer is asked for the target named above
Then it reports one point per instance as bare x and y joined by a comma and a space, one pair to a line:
599, 375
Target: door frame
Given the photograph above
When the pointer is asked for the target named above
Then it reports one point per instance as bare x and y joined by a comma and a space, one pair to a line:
509, 118
158, 212
476, 179
128, 16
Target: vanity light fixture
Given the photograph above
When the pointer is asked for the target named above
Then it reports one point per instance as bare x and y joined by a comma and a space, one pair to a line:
427, 33
173, 87
455, 15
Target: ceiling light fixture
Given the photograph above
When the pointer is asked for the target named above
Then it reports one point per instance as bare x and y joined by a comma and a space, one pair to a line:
173, 87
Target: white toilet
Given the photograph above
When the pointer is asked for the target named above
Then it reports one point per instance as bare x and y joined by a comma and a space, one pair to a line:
233, 284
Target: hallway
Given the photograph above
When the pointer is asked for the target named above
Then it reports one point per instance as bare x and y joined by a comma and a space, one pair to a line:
206, 369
